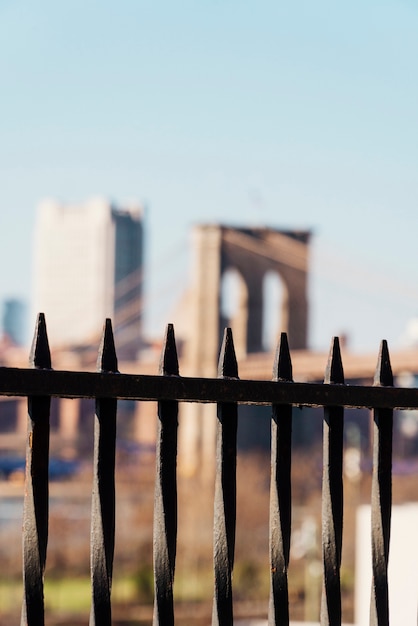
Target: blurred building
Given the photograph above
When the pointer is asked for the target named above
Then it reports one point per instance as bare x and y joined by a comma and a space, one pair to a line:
14, 321
88, 266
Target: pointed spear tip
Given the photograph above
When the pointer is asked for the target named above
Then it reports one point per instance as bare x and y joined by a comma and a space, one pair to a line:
40, 355
334, 372
383, 374
169, 333
227, 364
169, 364
107, 360
282, 368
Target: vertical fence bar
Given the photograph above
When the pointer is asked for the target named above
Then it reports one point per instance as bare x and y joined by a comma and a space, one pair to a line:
381, 495
103, 496
332, 495
35, 513
280, 494
165, 500
225, 491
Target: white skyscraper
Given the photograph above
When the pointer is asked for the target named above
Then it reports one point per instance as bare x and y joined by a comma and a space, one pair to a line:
88, 266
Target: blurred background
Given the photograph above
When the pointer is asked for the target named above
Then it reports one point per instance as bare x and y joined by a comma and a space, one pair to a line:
148, 150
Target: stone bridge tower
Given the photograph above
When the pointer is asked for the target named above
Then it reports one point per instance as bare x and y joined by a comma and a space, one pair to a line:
252, 253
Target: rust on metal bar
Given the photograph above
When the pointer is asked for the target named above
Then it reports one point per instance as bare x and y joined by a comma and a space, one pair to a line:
103, 493
225, 491
280, 494
35, 515
381, 496
165, 499
332, 495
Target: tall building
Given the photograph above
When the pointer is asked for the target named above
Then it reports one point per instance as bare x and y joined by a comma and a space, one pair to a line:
14, 320
88, 266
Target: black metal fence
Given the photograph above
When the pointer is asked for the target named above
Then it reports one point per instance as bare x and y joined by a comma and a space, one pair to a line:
40, 383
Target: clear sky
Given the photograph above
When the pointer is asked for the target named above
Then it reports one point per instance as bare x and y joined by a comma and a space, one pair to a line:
300, 114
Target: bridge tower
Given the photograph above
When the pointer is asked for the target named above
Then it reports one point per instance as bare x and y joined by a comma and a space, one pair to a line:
252, 253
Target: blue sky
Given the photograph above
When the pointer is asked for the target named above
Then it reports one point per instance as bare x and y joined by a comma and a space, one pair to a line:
300, 114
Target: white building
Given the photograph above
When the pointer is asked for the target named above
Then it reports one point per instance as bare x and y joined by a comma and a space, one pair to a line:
402, 569
88, 266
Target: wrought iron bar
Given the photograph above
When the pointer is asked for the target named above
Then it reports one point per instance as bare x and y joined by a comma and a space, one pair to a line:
103, 494
64, 384
280, 494
35, 515
165, 502
381, 496
225, 491
332, 495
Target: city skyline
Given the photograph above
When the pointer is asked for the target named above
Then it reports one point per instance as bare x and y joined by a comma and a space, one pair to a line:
299, 116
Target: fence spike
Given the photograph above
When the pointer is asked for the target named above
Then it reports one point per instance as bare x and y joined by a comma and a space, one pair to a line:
280, 493
227, 365
282, 368
332, 494
381, 497
383, 374
102, 533
107, 360
165, 498
40, 355
225, 491
334, 372
36, 502
169, 365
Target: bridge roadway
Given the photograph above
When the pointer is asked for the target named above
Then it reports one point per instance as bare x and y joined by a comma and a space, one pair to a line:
308, 365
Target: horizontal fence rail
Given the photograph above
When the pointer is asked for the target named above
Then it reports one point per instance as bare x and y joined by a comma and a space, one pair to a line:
168, 388
41, 382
